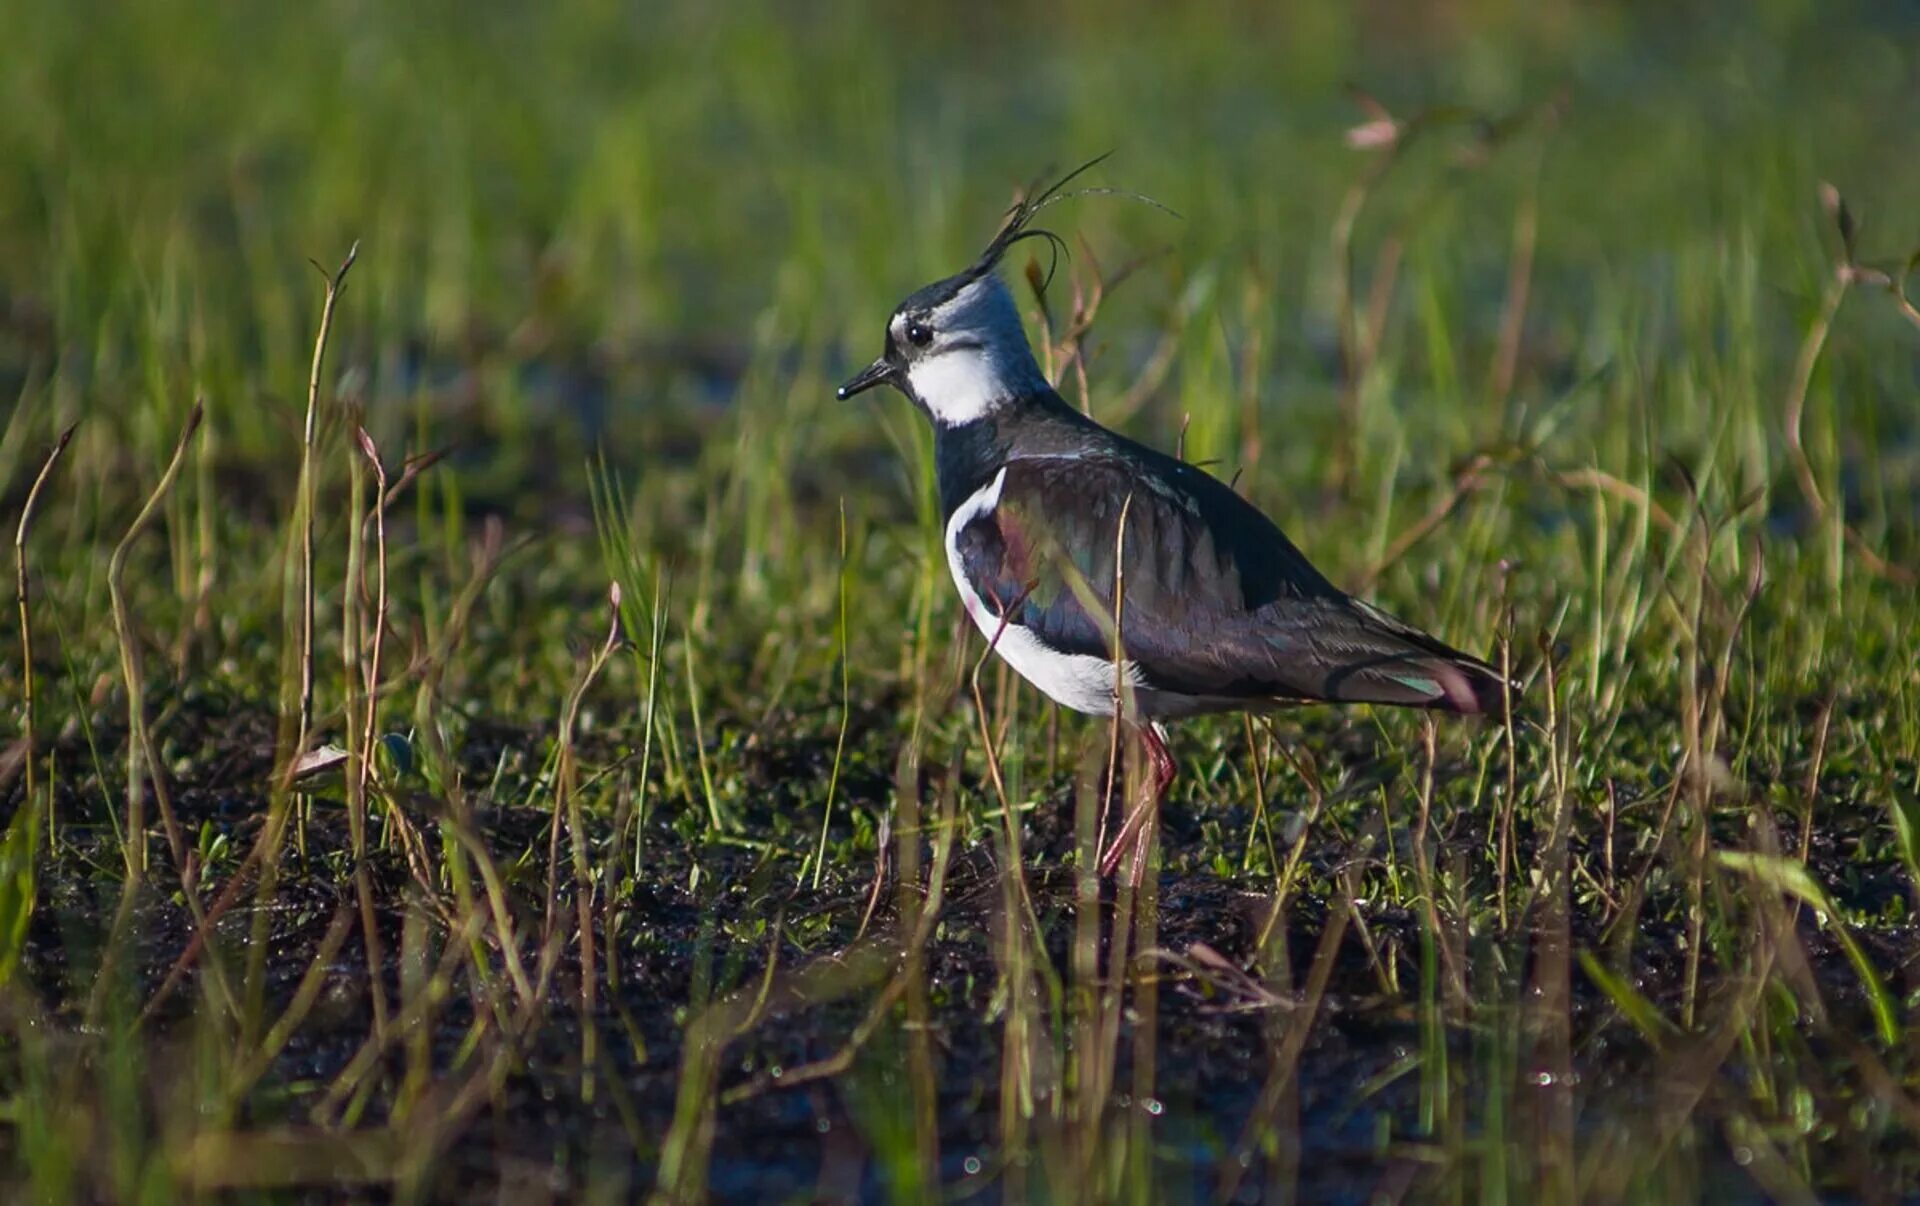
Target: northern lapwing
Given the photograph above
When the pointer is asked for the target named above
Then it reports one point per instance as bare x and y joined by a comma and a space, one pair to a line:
1217, 610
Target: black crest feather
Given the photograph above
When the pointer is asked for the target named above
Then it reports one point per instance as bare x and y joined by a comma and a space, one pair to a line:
1018, 223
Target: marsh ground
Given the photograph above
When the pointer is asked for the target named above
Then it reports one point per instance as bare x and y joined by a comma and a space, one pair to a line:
1548, 337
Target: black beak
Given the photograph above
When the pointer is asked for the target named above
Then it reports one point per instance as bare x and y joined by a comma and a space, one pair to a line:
878, 373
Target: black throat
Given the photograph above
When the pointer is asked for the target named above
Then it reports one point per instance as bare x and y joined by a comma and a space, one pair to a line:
966, 457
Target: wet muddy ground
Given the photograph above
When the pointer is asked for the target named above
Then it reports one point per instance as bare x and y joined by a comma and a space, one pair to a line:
701, 921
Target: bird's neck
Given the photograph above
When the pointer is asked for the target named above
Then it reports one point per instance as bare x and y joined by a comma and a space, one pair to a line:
967, 455
965, 458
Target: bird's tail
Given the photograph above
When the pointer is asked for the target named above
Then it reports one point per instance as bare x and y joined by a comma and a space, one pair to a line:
1398, 664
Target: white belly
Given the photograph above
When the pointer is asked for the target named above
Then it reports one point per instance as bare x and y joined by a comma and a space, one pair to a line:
1079, 681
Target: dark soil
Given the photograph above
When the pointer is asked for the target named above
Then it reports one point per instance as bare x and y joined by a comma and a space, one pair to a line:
1340, 1132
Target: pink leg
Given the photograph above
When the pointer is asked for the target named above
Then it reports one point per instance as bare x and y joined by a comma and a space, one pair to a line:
1133, 832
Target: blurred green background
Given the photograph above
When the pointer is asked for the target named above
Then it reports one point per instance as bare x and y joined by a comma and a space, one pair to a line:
647, 198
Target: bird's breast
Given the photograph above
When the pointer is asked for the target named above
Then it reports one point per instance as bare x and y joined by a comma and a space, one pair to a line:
1084, 682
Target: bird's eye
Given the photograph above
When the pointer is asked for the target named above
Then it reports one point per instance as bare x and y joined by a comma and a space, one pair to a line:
919, 334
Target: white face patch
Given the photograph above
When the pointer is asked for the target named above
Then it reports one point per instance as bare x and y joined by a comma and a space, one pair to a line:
958, 386
978, 359
1073, 680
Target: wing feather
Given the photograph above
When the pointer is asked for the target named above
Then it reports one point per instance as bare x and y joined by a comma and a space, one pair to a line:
1217, 604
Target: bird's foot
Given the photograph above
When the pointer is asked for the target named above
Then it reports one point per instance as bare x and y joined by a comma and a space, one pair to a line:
1133, 836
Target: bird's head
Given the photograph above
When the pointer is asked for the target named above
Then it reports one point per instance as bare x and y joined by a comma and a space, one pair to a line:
957, 347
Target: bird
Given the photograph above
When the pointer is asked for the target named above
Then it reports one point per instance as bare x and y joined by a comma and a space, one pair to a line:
1113, 577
